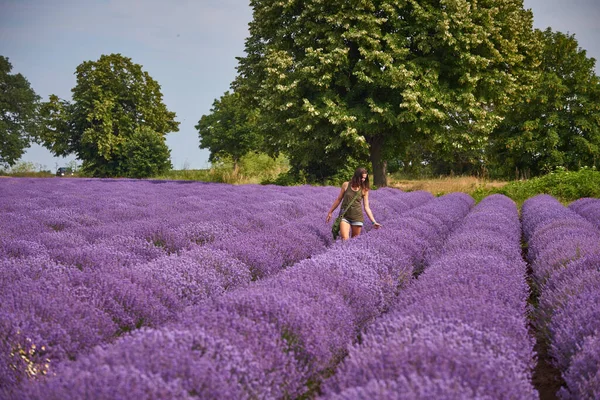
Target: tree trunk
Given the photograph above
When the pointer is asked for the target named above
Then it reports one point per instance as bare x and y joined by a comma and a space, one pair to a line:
377, 163
236, 166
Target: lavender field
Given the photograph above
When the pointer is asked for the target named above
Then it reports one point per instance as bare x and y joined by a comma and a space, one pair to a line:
119, 289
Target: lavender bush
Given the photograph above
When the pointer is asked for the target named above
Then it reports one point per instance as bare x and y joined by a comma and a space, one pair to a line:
588, 208
564, 251
460, 329
281, 333
43, 318
120, 255
583, 374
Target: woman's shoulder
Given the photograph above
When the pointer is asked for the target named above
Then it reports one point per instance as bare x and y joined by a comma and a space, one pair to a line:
345, 185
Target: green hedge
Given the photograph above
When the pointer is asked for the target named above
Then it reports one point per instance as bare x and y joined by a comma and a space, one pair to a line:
566, 186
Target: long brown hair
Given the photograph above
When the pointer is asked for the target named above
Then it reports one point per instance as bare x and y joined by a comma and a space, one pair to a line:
357, 180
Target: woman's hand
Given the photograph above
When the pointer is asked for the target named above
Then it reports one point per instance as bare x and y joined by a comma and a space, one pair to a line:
328, 217
377, 225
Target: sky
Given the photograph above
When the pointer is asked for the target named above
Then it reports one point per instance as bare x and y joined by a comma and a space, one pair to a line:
188, 46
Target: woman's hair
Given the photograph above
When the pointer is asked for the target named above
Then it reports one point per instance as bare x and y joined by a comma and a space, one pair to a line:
357, 179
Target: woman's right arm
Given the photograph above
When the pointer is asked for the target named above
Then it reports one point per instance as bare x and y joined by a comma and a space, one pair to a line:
337, 201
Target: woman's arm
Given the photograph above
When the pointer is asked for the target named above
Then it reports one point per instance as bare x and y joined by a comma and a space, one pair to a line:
368, 211
337, 201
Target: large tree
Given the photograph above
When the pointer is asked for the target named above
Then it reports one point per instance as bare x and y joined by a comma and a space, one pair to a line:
558, 123
229, 130
116, 115
18, 114
364, 79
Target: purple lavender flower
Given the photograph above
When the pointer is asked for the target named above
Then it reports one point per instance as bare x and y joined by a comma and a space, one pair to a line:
589, 208
44, 318
435, 349
583, 375
575, 316
565, 251
128, 254
412, 386
109, 382
196, 275
461, 327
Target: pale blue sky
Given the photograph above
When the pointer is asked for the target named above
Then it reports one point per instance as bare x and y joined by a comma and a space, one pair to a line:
188, 46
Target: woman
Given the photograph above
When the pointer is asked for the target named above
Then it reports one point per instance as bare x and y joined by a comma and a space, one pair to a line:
354, 216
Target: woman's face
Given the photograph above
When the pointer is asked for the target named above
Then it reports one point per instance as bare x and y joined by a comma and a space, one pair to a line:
364, 177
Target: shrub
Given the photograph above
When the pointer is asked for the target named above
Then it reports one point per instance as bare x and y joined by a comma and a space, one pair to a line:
565, 185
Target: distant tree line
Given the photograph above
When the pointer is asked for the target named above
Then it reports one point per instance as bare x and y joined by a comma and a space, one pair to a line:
438, 86
434, 86
18, 114
115, 124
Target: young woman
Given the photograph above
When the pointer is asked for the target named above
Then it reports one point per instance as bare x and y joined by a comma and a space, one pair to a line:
352, 222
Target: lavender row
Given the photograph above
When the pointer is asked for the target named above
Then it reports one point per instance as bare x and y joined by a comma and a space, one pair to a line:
125, 275
276, 338
133, 222
460, 329
119, 284
267, 235
304, 237
588, 208
564, 252
170, 215
165, 252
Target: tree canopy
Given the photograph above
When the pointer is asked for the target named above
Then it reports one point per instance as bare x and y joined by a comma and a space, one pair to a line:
116, 115
18, 114
557, 124
229, 129
338, 80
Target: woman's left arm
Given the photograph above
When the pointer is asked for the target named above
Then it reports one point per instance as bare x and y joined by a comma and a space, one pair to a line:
376, 224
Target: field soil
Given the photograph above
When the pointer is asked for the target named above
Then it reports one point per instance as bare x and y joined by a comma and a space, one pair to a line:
546, 378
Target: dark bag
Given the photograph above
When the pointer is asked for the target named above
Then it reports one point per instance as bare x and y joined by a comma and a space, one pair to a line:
335, 229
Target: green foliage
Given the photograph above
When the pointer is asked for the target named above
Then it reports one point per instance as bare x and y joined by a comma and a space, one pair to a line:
565, 185
363, 80
18, 114
252, 168
557, 124
315, 175
344, 173
147, 154
73, 166
260, 164
26, 169
115, 120
229, 131
288, 178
